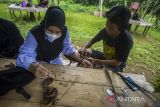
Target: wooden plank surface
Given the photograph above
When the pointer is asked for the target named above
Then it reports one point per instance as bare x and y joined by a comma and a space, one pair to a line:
77, 87
6, 63
139, 98
30, 9
83, 75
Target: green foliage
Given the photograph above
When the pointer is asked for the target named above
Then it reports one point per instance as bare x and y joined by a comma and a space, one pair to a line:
107, 3
152, 7
83, 27
70, 6
111, 3
87, 2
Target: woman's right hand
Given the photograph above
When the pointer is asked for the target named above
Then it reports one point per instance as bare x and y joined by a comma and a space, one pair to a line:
39, 70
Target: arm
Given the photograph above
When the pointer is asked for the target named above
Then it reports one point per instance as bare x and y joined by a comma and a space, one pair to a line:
27, 53
69, 50
67, 45
113, 62
72, 52
27, 57
95, 39
16, 39
122, 52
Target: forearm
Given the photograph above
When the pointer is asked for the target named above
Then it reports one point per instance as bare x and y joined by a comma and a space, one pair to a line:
76, 57
27, 53
25, 61
92, 41
89, 44
114, 63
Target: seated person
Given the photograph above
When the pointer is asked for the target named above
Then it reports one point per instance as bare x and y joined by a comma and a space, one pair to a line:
46, 42
135, 16
134, 7
25, 3
10, 39
117, 41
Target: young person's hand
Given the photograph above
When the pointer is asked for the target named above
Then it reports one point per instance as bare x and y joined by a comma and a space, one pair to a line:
86, 63
94, 61
39, 70
84, 52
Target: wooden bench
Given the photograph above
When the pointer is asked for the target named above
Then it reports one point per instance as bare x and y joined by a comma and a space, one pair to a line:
142, 23
77, 87
13, 7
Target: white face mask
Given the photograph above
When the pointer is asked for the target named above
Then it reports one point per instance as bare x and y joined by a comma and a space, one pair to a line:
51, 37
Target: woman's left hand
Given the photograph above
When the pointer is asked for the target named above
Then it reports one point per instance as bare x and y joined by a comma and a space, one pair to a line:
86, 63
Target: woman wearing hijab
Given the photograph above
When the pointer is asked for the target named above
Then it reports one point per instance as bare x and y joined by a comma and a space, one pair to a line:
45, 43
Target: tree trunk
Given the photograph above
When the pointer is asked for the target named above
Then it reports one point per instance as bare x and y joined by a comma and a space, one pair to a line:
156, 23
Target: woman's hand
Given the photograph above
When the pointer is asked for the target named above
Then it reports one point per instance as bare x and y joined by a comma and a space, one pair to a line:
39, 70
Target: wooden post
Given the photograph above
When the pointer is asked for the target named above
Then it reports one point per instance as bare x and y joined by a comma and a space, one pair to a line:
32, 16
58, 2
101, 8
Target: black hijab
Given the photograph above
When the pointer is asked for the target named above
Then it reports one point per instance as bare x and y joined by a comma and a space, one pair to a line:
55, 16
47, 51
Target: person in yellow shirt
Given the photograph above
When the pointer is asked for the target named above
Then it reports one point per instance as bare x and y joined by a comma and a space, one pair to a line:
117, 41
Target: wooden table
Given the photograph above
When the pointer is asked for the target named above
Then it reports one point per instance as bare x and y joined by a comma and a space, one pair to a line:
143, 23
13, 7
77, 87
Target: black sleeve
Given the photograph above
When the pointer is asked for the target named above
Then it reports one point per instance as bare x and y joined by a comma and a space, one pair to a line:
123, 50
13, 38
14, 31
98, 37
